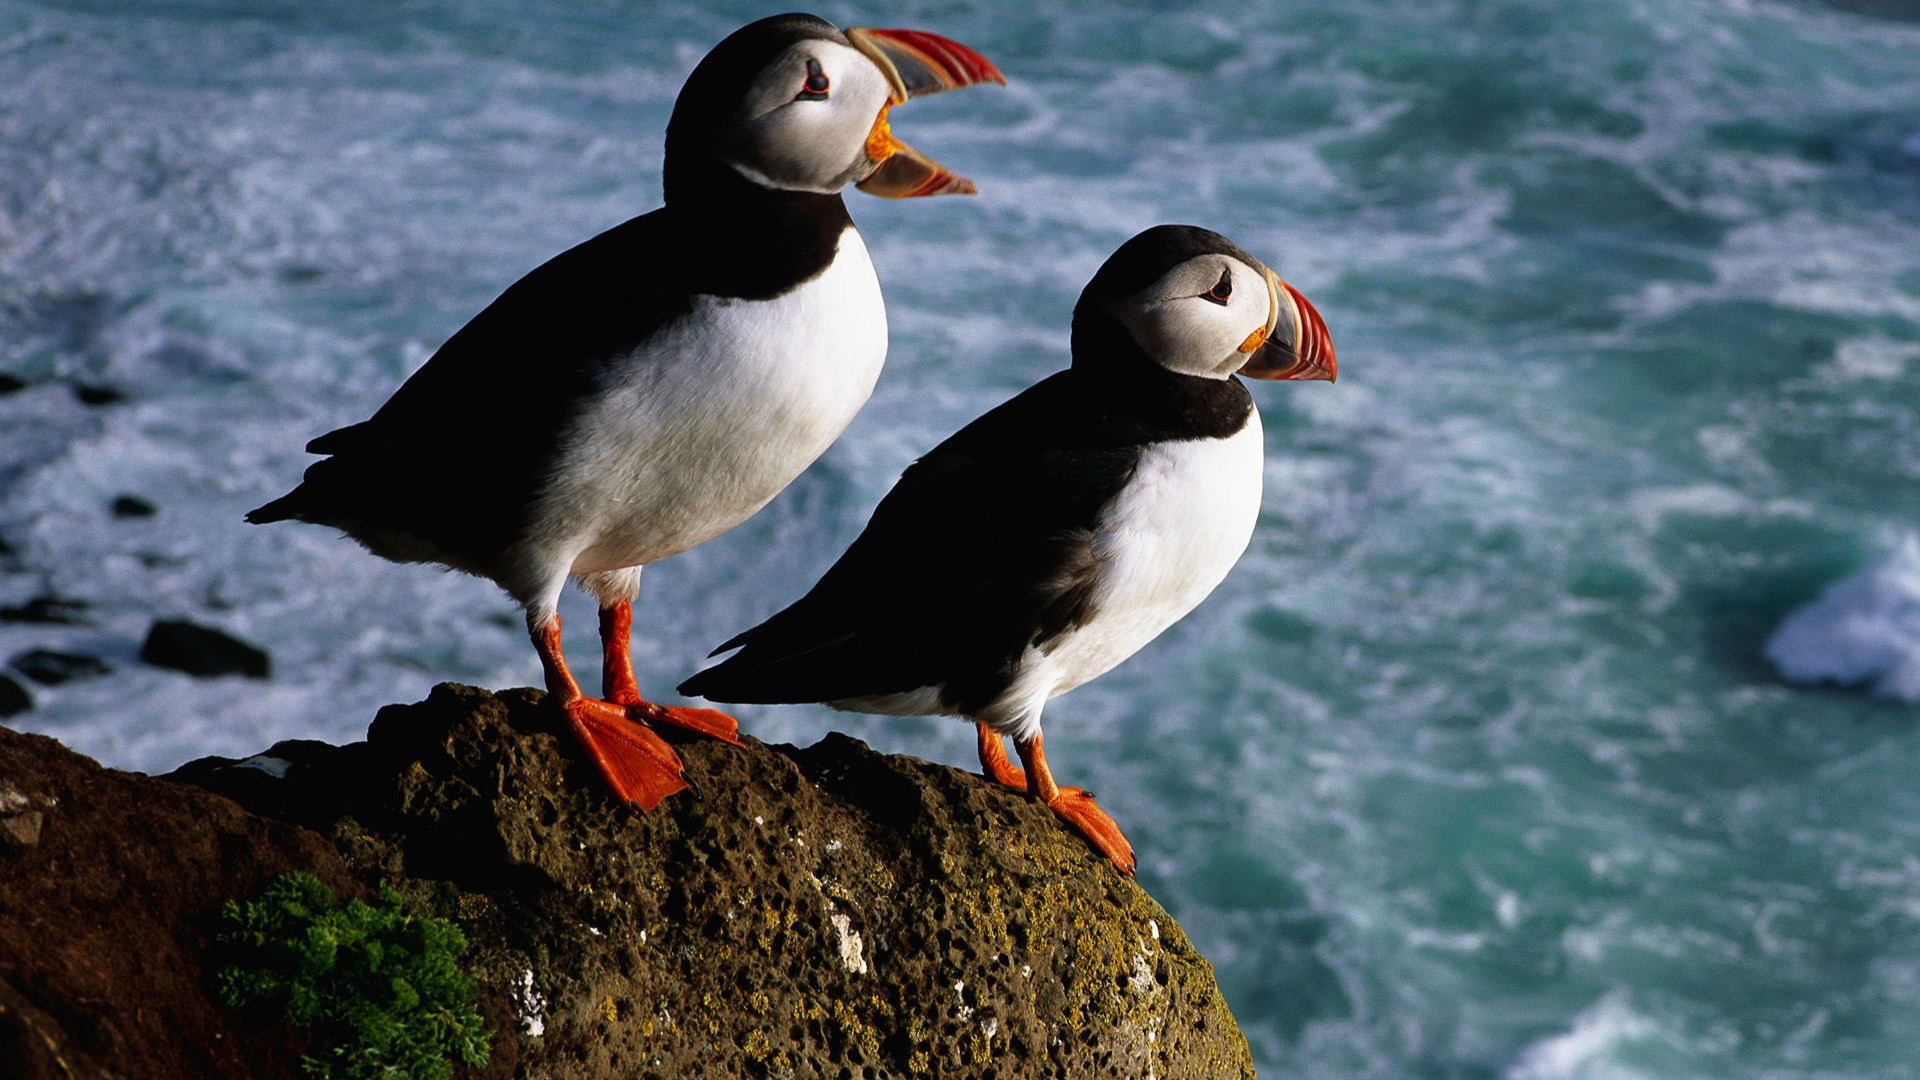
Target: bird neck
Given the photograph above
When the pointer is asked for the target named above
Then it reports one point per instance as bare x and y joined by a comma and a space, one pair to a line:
1115, 370
762, 240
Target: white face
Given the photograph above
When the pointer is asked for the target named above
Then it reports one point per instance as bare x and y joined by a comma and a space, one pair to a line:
790, 135
1196, 318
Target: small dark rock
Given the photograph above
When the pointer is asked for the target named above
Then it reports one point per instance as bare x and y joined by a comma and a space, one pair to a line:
98, 394
201, 650
22, 830
132, 506
50, 667
11, 384
261, 782
45, 609
14, 698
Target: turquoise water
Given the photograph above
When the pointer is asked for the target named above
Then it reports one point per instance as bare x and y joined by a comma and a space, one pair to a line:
1485, 762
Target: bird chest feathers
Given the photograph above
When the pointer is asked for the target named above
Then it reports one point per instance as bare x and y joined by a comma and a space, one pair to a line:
1165, 542
718, 412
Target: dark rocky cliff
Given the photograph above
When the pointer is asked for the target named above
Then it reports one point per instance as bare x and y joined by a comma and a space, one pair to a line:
819, 912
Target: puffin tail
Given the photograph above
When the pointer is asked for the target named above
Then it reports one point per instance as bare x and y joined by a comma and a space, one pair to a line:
291, 505
712, 684
763, 674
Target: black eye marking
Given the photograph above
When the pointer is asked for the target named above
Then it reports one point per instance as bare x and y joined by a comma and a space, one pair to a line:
815, 88
1221, 290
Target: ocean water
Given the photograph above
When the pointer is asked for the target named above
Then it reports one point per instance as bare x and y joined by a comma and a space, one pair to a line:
1563, 720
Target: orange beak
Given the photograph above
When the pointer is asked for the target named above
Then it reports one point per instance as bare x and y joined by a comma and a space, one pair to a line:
915, 64
1294, 344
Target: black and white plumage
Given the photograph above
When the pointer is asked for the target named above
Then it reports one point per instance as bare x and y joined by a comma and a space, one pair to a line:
1059, 533
655, 386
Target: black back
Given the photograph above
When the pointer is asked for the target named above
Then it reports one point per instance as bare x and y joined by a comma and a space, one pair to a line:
460, 454
985, 546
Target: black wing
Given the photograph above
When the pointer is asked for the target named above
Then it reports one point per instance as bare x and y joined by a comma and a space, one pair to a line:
459, 451
984, 547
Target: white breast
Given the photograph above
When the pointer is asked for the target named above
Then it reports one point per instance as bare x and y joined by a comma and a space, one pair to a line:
720, 411
1166, 541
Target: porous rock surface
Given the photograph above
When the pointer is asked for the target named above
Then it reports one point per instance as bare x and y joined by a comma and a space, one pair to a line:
818, 912
110, 890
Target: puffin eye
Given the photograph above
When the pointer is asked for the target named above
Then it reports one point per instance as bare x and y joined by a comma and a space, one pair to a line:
1222, 289
815, 88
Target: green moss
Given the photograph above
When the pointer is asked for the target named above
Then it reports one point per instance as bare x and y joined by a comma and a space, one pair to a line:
379, 988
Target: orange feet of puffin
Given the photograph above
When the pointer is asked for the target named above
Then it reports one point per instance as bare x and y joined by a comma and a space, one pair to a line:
1071, 805
617, 684
993, 761
638, 765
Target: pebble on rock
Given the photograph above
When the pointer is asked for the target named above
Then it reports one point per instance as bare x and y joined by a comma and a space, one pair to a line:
22, 830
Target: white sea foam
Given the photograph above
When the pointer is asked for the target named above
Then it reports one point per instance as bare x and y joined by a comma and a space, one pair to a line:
1587, 1050
1489, 557
1863, 630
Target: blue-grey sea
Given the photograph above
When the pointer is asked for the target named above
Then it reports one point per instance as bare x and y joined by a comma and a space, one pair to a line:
1563, 720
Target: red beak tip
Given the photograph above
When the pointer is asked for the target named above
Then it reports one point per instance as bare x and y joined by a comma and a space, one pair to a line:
961, 65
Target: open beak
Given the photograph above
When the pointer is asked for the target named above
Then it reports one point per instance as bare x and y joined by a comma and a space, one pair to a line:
915, 63
1294, 343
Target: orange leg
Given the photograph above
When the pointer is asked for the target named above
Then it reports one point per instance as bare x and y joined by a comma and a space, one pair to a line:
618, 686
639, 767
993, 760
1073, 806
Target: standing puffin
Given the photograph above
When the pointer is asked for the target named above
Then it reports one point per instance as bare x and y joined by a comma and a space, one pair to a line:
656, 385
1053, 537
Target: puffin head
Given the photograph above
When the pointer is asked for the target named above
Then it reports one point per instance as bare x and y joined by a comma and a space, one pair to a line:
1196, 304
793, 103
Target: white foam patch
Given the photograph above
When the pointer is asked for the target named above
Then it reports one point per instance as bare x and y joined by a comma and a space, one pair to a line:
1875, 357
1863, 630
1589, 1049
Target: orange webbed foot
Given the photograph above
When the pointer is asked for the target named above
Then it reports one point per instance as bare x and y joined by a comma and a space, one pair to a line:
1071, 805
994, 763
708, 722
617, 682
1076, 808
639, 766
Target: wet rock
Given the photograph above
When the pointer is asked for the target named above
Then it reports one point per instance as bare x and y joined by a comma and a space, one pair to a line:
45, 609
202, 650
105, 920
14, 698
133, 506
98, 394
50, 667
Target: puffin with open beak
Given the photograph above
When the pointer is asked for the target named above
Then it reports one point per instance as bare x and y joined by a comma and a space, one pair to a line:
1062, 531
655, 386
